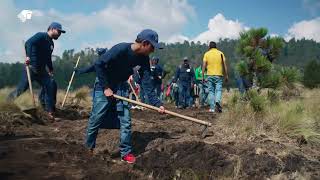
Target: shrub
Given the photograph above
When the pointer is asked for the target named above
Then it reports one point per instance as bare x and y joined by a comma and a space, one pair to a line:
311, 77
270, 80
257, 102
273, 96
290, 75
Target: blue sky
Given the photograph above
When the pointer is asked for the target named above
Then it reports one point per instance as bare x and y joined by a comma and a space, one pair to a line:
96, 23
276, 15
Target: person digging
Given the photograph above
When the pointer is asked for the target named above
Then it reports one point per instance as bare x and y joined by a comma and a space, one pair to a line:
113, 69
38, 51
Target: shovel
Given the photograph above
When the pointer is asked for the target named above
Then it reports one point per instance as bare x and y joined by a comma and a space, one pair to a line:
198, 121
72, 76
33, 110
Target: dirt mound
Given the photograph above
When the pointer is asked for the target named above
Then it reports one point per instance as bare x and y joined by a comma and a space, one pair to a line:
10, 121
197, 160
73, 112
185, 159
54, 159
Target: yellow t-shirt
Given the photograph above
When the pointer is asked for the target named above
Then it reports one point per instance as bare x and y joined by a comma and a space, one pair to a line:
214, 62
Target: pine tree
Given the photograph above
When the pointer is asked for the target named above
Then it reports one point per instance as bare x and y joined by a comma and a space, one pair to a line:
258, 51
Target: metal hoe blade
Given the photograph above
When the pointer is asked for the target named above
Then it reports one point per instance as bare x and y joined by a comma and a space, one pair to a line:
204, 131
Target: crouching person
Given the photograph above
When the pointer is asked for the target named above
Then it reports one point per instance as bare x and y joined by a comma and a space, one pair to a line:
113, 69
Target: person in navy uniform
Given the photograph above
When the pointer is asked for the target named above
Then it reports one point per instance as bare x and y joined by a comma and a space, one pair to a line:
156, 75
185, 79
113, 69
38, 56
90, 69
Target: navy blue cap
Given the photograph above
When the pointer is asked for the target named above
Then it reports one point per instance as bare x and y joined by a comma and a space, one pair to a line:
150, 36
55, 25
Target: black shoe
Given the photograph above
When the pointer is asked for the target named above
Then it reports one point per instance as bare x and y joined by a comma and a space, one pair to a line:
218, 107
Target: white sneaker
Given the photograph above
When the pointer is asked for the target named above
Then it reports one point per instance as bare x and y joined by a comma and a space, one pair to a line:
211, 110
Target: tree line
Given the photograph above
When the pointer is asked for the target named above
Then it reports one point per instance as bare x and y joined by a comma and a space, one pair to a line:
302, 54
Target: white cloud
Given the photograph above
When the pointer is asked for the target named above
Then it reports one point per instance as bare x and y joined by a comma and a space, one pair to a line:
220, 28
97, 45
308, 29
274, 35
177, 38
124, 21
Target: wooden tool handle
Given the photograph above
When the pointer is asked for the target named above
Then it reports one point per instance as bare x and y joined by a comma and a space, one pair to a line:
166, 111
29, 76
72, 76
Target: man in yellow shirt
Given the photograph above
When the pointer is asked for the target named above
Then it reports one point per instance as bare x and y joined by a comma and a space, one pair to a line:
215, 64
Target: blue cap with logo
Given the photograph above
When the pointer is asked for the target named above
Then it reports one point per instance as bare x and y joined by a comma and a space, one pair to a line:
58, 26
150, 36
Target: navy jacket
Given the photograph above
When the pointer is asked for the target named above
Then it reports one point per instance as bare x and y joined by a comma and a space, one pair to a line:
90, 68
156, 71
116, 65
184, 75
85, 70
39, 49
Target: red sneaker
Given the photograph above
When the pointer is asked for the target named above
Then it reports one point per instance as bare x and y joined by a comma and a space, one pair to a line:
129, 158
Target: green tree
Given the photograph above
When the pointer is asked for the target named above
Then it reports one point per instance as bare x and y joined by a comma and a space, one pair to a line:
311, 76
258, 51
295, 53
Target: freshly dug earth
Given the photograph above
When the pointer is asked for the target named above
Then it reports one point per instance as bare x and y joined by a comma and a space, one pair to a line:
166, 148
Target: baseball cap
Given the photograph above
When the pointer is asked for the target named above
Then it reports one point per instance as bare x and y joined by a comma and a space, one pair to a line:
55, 25
150, 36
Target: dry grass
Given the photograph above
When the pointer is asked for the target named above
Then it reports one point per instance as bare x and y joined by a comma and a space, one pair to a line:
24, 101
79, 97
5, 106
4, 92
9, 107
293, 118
60, 96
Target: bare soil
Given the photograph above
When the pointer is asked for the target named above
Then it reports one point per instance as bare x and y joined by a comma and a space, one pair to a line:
166, 148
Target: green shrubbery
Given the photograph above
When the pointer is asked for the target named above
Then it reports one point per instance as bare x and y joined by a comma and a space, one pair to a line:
311, 77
